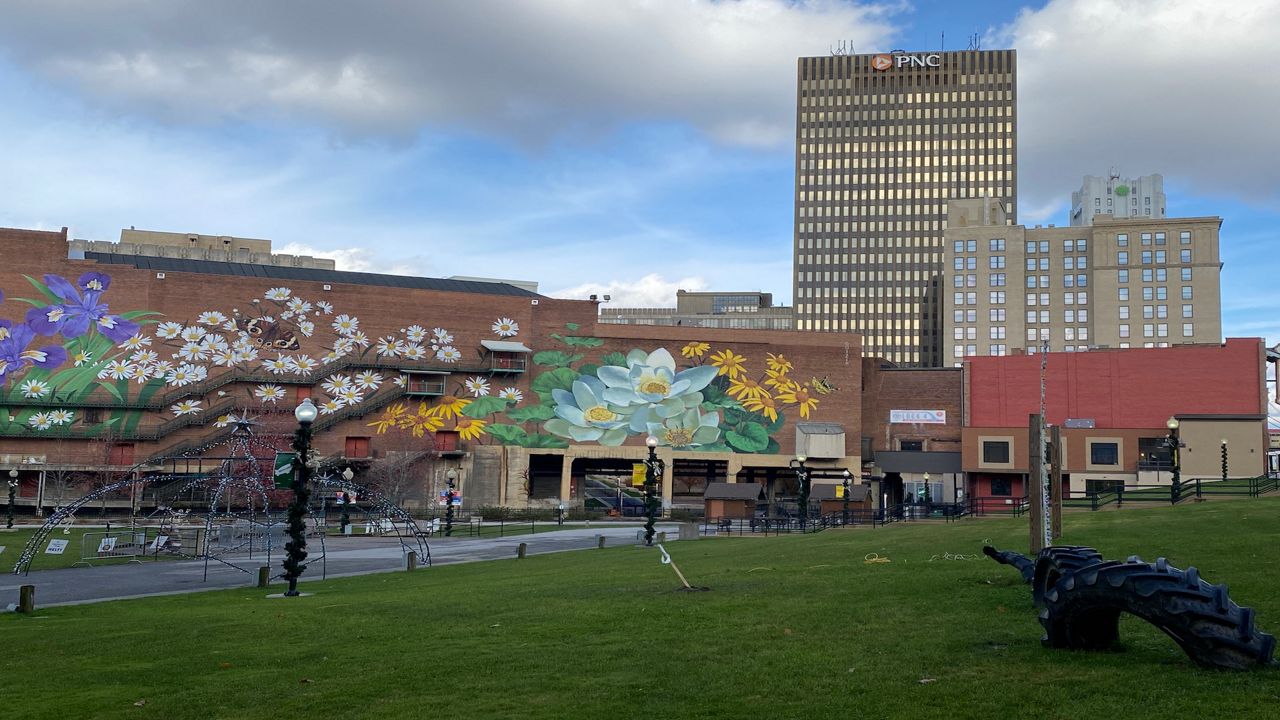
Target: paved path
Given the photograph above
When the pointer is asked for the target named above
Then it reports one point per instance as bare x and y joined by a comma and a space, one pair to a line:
343, 557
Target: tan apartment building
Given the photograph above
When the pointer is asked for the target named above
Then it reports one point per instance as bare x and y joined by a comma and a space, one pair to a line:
883, 143
1120, 283
193, 246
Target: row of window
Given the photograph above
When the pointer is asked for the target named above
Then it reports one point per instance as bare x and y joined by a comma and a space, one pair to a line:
1153, 275
1148, 257
1158, 293
996, 452
1184, 238
1159, 330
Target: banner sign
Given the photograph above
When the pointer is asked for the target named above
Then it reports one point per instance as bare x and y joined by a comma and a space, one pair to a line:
283, 473
918, 417
638, 474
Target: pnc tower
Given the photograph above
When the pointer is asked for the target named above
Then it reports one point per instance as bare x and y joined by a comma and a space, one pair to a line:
883, 142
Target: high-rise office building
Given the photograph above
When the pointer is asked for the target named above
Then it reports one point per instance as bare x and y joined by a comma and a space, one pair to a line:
1118, 197
883, 142
1122, 282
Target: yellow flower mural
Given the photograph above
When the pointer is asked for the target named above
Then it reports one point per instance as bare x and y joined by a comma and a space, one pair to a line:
729, 363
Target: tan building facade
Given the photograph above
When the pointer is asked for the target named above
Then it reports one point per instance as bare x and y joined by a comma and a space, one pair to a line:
883, 143
194, 246
1120, 283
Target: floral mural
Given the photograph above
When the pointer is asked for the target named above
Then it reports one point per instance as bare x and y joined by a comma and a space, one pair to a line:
707, 401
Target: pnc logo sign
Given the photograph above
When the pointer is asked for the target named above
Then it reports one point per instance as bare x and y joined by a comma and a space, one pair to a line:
884, 62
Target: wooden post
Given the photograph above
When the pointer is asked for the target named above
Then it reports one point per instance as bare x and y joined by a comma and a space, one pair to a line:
27, 599
264, 576
1055, 491
521, 549
411, 561
600, 542
1035, 456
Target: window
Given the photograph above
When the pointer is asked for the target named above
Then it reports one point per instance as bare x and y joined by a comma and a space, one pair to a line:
1186, 256
1187, 330
971, 298
1082, 333
1122, 276
1068, 281
1122, 257
959, 299
1124, 331
1044, 298
1069, 316
971, 349
1068, 246
1068, 263
1082, 245
1122, 240
997, 297
1148, 312
1068, 298
1097, 202
1184, 237
1124, 312
1146, 257
1044, 316
357, 447
1069, 334
996, 332
1031, 299
995, 451
959, 281
957, 333
1031, 281
958, 246
996, 245
1146, 238
1031, 334
958, 351
971, 280
1186, 292
971, 263
959, 264
1187, 310
971, 333
1124, 294
971, 315
1162, 293
1031, 316
1104, 453
1082, 280
998, 349
972, 246
996, 280
996, 262
1159, 235
911, 445
1031, 263
1082, 262
1147, 275
1162, 311
1044, 263
1044, 281
1148, 294
1044, 246
1186, 274
1162, 330
1082, 298
958, 316
1031, 246
1160, 257
1162, 274
997, 315
1148, 330
1083, 314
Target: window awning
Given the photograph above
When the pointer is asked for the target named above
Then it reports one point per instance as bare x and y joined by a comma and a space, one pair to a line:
505, 346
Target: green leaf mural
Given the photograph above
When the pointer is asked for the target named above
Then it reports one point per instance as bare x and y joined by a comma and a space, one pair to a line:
560, 378
483, 407
748, 438
555, 358
536, 413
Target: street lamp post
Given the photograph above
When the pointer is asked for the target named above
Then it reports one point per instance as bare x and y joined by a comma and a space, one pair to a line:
296, 549
13, 489
802, 475
1174, 444
451, 477
1224, 459
653, 467
560, 514
848, 486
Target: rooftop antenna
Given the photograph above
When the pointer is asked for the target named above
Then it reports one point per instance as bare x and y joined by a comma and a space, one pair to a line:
944, 41
844, 47
975, 42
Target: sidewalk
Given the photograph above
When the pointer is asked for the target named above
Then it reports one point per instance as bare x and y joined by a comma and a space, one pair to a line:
344, 556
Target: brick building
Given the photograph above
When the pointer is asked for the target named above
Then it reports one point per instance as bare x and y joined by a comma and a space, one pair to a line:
911, 430
1113, 407
114, 362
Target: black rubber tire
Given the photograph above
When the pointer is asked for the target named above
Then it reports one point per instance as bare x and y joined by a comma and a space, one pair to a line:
1082, 612
1017, 561
1054, 563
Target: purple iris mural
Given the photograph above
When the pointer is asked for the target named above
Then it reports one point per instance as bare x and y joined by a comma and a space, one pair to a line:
14, 355
79, 309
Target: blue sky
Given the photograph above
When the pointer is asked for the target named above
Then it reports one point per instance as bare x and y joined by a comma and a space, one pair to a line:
618, 146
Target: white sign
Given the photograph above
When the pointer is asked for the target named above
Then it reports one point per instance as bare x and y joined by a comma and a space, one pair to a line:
918, 417
56, 547
885, 61
1, 549
107, 544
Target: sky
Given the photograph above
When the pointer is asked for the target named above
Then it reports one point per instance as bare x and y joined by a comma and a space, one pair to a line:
621, 147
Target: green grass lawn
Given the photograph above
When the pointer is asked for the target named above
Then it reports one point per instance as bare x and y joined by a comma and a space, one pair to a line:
15, 541
792, 627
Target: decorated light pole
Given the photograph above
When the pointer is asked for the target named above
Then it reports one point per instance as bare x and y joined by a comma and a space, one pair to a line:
848, 487
13, 489
345, 519
1224, 459
451, 477
802, 475
653, 467
296, 549
1174, 444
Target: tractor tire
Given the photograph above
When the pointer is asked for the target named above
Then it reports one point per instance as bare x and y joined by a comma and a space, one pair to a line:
1023, 564
1054, 563
1082, 612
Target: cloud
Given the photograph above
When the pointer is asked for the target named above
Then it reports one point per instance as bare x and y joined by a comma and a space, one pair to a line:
1179, 87
521, 68
652, 290
351, 259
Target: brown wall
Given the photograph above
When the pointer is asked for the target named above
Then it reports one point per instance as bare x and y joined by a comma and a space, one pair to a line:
885, 388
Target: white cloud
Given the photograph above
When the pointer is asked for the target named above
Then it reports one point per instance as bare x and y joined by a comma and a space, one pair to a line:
652, 290
351, 259
1185, 88
524, 68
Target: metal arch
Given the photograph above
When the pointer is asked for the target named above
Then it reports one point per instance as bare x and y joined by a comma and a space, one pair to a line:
388, 509
249, 484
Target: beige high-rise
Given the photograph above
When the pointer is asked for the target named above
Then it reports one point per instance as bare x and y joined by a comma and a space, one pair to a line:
883, 143
1122, 282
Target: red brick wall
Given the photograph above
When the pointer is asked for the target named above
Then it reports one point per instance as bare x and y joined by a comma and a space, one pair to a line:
885, 389
1133, 388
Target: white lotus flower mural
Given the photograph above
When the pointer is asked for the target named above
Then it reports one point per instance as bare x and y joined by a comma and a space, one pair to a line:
650, 389
584, 415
